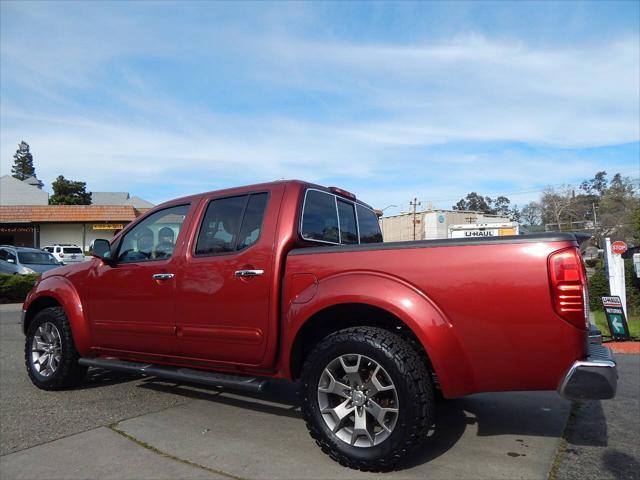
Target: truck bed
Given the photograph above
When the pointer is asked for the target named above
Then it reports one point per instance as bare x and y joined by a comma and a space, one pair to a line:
485, 303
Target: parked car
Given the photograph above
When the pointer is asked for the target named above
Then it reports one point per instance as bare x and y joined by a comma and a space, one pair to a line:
23, 260
291, 280
66, 253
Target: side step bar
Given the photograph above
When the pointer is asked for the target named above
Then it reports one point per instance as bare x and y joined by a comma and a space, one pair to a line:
177, 374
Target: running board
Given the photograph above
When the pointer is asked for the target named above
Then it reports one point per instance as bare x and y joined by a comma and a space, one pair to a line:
177, 374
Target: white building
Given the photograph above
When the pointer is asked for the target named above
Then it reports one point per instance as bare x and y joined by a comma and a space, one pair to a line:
431, 224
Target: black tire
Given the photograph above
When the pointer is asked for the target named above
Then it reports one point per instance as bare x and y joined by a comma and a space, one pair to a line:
68, 373
412, 381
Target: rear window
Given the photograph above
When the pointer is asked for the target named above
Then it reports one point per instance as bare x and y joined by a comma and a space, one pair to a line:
348, 225
369, 226
37, 258
331, 219
320, 220
71, 250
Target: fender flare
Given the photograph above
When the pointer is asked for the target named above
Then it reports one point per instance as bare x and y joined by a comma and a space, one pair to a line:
64, 293
401, 299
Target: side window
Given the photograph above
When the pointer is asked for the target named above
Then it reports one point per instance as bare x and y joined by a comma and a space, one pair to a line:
231, 224
58, 249
319, 219
3, 254
369, 226
49, 249
154, 237
348, 226
252, 220
220, 225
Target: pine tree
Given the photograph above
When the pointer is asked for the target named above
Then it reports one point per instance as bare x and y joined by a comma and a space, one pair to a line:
69, 192
23, 162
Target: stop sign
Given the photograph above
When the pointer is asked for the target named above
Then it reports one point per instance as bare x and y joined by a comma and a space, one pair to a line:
618, 247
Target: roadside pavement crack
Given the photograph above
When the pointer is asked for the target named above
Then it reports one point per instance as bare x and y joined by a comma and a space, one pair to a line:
164, 454
563, 443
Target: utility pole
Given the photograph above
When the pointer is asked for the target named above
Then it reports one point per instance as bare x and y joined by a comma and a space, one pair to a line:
414, 204
595, 223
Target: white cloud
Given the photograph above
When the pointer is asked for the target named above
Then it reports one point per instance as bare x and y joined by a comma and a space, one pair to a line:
386, 105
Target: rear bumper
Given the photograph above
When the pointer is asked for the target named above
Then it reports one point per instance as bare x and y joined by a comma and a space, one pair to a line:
593, 378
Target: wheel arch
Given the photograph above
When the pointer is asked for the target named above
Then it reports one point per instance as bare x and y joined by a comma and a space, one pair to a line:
370, 299
57, 291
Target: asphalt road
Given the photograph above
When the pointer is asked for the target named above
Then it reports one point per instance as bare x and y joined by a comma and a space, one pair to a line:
118, 426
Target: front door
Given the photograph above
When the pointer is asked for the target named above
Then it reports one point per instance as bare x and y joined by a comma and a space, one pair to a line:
224, 288
132, 303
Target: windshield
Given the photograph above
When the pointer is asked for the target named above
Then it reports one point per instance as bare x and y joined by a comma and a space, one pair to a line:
71, 250
37, 258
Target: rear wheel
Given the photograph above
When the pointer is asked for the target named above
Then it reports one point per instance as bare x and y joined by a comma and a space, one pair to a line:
50, 354
367, 398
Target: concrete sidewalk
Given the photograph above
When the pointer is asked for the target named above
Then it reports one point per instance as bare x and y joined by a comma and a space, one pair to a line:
512, 435
119, 426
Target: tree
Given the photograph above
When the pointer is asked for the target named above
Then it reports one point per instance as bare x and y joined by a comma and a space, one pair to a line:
474, 202
595, 186
558, 206
23, 162
617, 209
531, 214
69, 192
477, 203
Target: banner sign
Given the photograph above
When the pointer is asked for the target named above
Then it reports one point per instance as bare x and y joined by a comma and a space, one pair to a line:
108, 226
615, 318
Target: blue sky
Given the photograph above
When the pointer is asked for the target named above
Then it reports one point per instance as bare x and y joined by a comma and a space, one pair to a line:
390, 100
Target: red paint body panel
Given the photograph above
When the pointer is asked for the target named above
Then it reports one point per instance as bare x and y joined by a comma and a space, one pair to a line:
483, 312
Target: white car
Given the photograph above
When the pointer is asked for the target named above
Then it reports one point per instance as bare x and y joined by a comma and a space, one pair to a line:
66, 253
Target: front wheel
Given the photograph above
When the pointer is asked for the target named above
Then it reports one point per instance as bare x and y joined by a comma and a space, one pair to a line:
50, 354
367, 398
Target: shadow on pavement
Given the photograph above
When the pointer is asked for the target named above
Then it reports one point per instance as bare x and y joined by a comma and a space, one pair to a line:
587, 425
522, 413
98, 377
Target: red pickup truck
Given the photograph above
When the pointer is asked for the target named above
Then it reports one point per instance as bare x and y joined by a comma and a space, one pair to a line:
291, 280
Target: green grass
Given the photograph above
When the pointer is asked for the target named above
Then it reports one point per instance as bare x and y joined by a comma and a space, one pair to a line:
633, 321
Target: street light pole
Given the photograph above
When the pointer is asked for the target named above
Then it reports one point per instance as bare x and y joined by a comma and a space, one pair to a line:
414, 204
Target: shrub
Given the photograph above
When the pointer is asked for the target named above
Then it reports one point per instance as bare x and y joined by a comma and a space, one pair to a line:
591, 262
14, 288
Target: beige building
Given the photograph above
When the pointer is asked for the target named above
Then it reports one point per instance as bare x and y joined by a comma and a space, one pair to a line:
27, 219
431, 224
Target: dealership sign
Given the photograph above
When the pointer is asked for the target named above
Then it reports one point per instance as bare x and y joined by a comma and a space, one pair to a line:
615, 318
108, 226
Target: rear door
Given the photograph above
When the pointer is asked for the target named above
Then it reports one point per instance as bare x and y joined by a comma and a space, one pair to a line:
224, 289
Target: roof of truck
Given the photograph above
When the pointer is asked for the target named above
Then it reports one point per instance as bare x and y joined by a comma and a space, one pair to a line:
259, 186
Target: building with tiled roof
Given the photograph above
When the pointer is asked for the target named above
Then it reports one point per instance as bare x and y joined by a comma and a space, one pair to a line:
26, 219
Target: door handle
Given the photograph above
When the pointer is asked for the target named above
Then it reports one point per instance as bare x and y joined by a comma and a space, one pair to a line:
249, 273
162, 276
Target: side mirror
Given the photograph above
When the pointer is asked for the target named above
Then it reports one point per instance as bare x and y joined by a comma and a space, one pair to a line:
100, 248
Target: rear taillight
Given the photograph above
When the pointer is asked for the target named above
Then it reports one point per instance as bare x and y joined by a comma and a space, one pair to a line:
569, 286
62, 255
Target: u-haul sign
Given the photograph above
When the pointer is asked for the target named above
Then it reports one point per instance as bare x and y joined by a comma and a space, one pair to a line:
473, 230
